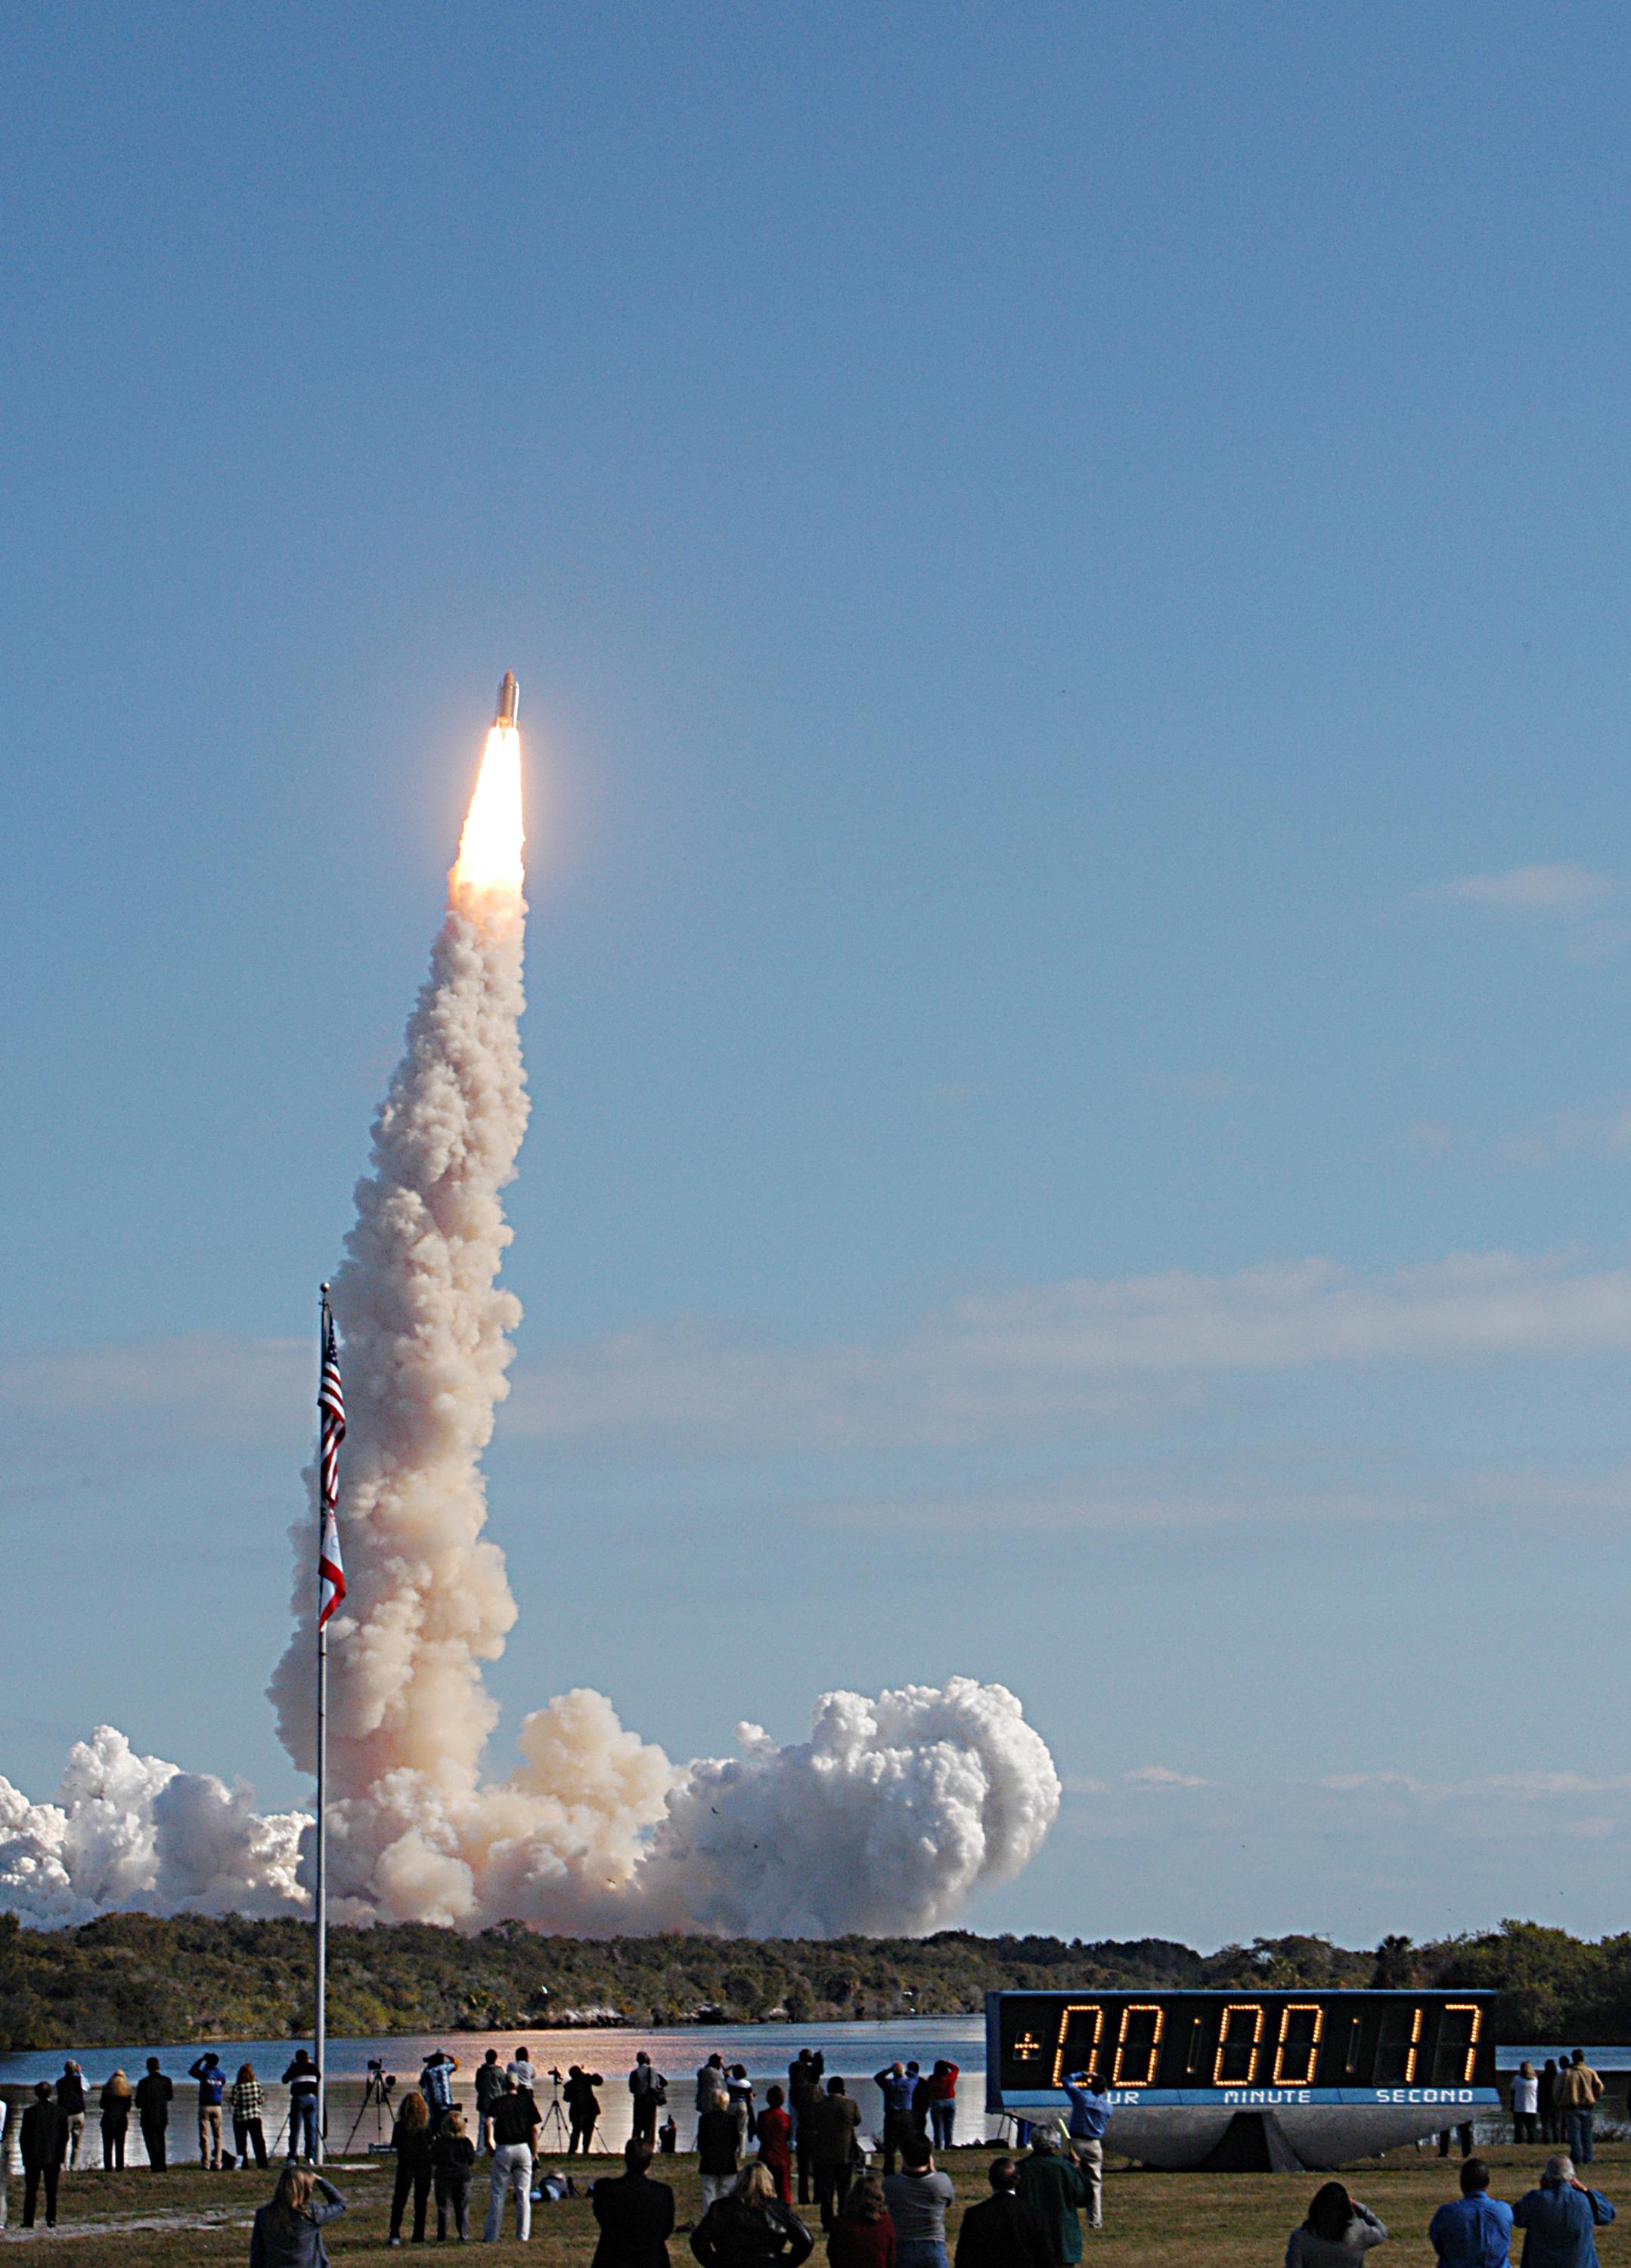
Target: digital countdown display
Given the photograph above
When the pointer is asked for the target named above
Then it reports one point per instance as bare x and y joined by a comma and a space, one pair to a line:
1234, 2047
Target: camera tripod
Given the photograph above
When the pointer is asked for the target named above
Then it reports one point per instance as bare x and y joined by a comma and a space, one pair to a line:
554, 2121
376, 2090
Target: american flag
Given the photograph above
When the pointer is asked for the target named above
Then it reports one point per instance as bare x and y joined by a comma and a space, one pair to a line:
331, 1433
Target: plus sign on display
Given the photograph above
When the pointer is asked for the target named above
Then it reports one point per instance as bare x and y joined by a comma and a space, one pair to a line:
1249, 2079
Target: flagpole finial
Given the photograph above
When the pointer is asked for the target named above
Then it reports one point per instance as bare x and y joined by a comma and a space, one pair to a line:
323, 1288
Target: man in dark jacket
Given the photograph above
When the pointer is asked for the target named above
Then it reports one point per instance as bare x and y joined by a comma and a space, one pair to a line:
1003, 2232
43, 2140
804, 2078
70, 2102
1557, 2219
153, 2108
636, 2214
583, 2106
1056, 2189
719, 2140
835, 2147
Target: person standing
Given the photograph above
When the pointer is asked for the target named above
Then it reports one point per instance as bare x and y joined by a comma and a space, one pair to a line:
896, 2088
1003, 2232
248, 2104
515, 2125
452, 2163
70, 2102
775, 2139
211, 2087
635, 2214
288, 2232
43, 2140
1559, 2219
804, 2078
1473, 2230
1547, 2092
520, 2069
1337, 2232
1525, 2102
410, 2139
835, 2147
115, 2108
942, 2103
711, 2085
1090, 2108
1056, 2189
436, 2084
739, 2095
918, 2197
719, 2140
1578, 2089
488, 2088
750, 2230
302, 2079
153, 2095
650, 2090
863, 2235
583, 2107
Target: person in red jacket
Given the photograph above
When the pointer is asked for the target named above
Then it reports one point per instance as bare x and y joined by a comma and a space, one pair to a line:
863, 2234
775, 2131
942, 2103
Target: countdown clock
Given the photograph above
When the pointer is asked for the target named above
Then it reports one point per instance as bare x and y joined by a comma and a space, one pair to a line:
1258, 2079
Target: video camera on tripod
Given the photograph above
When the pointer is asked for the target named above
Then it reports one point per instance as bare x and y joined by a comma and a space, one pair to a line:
376, 2091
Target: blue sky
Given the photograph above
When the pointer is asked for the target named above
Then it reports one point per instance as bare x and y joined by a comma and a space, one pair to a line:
1068, 567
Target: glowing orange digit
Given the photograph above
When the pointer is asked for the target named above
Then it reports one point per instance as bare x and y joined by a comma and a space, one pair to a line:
1150, 2048
1081, 2063
1254, 2009
1309, 2047
1415, 2049
1468, 2008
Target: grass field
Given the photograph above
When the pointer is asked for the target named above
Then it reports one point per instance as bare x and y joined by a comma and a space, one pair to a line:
1225, 2220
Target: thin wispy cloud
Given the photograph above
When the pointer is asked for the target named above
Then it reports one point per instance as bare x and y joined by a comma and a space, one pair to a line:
1044, 1361
1561, 888
1037, 1363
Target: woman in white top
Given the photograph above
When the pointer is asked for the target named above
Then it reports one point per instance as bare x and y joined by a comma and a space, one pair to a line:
1525, 2103
1338, 2231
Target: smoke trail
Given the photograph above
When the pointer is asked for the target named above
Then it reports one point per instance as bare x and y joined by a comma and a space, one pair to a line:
426, 1347
886, 1818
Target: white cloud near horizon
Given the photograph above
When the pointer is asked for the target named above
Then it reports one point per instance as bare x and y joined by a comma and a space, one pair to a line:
1025, 1365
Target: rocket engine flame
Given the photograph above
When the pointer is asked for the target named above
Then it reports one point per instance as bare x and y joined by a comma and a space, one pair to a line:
887, 1818
490, 848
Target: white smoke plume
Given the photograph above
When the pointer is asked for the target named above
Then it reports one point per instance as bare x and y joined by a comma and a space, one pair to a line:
132, 1831
886, 1820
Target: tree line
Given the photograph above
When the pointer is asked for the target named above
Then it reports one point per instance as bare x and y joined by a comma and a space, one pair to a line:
134, 1977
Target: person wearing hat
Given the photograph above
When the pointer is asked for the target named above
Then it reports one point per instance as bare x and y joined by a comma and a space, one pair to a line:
1055, 2187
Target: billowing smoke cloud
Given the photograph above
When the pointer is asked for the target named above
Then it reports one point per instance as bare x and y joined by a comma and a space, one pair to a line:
887, 1819
131, 1831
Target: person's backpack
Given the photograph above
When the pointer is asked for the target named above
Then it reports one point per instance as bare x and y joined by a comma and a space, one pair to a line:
438, 2085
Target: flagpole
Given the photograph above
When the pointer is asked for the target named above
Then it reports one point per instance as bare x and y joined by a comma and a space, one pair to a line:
321, 2028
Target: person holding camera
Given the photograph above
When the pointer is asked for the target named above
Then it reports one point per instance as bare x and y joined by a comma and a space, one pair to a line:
515, 2128
650, 2090
1090, 2108
583, 2107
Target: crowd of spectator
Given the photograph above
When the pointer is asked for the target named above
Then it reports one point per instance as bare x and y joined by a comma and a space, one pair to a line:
808, 2136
